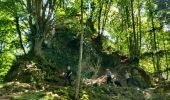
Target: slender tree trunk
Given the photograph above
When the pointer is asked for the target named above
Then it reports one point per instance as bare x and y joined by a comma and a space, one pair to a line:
1, 47
153, 61
99, 37
166, 57
80, 56
90, 22
19, 33
140, 31
156, 56
129, 38
137, 36
134, 32
154, 44
105, 15
99, 17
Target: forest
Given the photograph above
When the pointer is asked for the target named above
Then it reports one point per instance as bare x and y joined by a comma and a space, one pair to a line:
84, 49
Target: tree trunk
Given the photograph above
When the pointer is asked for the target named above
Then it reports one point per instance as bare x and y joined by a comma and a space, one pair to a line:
37, 46
19, 33
134, 32
80, 56
153, 61
99, 36
105, 15
166, 56
154, 44
43, 21
99, 17
129, 38
140, 31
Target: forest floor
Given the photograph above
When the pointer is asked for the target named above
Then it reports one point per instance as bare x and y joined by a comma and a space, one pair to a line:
52, 91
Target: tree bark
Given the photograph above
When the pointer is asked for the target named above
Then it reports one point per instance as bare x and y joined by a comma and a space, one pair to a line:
140, 31
41, 20
134, 32
80, 56
37, 46
105, 15
154, 44
19, 33
153, 61
166, 56
99, 16
99, 36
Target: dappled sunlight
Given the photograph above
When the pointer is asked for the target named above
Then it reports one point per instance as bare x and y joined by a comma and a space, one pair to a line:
84, 50
98, 81
17, 90
147, 95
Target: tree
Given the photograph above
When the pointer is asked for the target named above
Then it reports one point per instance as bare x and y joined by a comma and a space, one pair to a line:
80, 56
8, 43
16, 11
41, 21
154, 42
